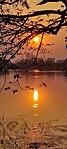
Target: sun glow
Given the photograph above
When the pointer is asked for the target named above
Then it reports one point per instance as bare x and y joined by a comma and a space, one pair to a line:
36, 39
35, 95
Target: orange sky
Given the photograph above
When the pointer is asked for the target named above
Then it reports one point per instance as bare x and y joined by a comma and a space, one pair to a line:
58, 50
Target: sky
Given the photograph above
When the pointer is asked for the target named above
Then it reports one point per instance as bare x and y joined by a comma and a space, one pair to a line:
58, 50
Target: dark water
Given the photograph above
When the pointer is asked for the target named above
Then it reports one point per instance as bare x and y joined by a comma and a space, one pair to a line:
50, 105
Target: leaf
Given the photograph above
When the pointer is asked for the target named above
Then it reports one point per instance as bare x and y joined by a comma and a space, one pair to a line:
27, 87
10, 82
16, 76
7, 88
15, 91
44, 84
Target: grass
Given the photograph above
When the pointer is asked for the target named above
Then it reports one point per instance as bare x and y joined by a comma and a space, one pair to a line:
16, 134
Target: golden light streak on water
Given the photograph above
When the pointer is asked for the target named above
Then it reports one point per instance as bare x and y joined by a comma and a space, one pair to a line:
35, 106
35, 95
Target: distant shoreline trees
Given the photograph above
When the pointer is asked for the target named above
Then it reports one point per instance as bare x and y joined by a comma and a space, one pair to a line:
41, 64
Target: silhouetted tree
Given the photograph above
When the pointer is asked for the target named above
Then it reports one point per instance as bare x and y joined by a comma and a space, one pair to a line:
17, 27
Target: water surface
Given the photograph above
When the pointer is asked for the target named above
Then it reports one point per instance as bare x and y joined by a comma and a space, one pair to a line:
51, 103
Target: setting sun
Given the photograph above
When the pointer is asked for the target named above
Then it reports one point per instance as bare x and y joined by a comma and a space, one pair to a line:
36, 39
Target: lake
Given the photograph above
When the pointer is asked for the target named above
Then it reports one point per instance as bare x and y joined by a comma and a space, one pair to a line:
51, 103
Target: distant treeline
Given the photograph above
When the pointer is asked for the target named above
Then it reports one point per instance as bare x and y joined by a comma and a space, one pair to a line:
42, 65
36, 64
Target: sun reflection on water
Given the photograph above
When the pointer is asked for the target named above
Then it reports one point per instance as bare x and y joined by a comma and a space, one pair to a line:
35, 105
35, 95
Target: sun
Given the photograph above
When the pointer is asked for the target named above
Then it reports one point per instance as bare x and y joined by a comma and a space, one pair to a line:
36, 39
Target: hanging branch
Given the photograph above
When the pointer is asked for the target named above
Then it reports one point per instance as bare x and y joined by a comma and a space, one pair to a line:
17, 28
